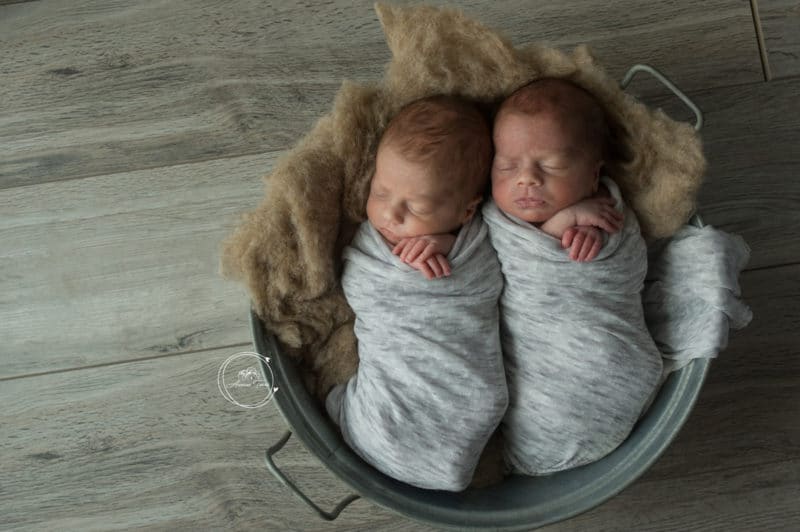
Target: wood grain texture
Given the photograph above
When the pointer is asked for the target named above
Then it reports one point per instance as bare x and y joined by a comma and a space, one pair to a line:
94, 87
124, 265
152, 444
127, 263
750, 138
102, 87
701, 45
759, 498
134, 133
780, 22
736, 463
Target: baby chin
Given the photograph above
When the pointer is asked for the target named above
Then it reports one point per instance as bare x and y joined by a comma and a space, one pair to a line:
529, 209
389, 236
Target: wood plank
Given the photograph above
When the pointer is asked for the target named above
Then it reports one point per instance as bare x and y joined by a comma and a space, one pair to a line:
735, 465
123, 265
750, 139
780, 23
748, 410
762, 498
699, 44
152, 444
102, 87
110, 264
9, 2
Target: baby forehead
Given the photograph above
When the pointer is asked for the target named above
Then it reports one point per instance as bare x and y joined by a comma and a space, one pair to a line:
579, 114
551, 94
396, 171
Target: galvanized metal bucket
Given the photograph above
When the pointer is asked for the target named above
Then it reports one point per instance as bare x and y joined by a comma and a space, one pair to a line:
518, 502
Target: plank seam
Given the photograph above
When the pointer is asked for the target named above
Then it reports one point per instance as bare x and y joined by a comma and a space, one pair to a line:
277, 154
662, 478
770, 267
127, 361
762, 46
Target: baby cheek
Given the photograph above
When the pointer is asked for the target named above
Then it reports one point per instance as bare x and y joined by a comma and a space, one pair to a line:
372, 212
499, 188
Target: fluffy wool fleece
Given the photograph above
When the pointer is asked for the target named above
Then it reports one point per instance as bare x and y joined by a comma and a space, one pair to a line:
288, 250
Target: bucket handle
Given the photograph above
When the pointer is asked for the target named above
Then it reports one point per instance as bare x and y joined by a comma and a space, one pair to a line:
277, 473
668, 84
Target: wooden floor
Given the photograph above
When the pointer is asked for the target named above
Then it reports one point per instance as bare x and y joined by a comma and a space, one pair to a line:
132, 133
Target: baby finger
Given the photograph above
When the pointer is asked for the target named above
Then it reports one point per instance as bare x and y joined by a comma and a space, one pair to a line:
425, 269
612, 222
594, 250
428, 252
567, 237
577, 243
585, 248
443, 262
399, 247
413, 252
435, 267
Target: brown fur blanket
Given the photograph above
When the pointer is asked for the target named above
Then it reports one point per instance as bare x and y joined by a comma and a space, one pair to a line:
288, 250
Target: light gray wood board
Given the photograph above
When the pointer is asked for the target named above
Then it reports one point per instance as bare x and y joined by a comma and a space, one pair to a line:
124, 265
9, 2
153, 444
735, 465
748, 410
700, 44
762, 498
750, 139
780, 22
96, 87
127, 263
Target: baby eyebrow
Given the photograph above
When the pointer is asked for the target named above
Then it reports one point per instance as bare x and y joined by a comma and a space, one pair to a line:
422, 196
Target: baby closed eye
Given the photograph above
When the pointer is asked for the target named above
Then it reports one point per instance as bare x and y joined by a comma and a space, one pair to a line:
553, 168
378, 195
419, 210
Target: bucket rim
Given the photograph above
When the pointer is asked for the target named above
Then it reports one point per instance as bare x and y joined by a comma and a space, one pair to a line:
578, 490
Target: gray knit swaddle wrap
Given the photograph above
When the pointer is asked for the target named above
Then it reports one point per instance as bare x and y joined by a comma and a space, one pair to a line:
430, 387
580, 362
692, 296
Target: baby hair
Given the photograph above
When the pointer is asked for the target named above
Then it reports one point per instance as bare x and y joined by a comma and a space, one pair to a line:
447, 132
570, 102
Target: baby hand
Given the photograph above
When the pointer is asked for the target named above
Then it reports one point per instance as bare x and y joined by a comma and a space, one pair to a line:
598, 212
584, 242
434, 267
427, 253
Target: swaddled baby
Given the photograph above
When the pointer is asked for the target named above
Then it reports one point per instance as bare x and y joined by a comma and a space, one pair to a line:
424, 282
580, 361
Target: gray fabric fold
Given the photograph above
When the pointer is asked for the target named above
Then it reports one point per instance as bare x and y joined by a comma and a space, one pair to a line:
580, 362
692, 296
430, 387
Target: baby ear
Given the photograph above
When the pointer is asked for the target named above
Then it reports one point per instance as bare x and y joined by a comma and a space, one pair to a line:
596, 181
472, 207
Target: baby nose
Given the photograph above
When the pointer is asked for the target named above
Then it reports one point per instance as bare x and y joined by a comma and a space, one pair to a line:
393, 213
529, 176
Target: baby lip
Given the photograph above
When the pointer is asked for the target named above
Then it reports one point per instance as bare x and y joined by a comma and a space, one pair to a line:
528, 202
389, 235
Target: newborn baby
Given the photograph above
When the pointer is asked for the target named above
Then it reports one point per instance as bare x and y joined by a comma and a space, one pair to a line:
580, 362
424, 282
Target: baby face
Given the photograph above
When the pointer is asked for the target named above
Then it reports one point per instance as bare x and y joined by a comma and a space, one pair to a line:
540, 166
405, 201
